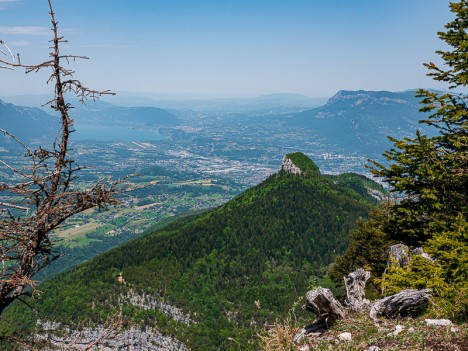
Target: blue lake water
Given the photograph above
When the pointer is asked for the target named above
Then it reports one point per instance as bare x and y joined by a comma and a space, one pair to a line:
114, 133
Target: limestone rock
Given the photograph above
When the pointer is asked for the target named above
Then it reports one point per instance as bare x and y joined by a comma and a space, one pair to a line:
288, 166
380, 196
399, 255
440, 322
133, 339
155, 302
345, 337
420, 251
398, 329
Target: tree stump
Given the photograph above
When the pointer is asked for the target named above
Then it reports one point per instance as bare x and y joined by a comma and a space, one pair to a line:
327, 309
355, 284
392, 306
322, 303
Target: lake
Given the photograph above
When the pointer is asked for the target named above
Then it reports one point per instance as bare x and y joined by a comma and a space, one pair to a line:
114, 133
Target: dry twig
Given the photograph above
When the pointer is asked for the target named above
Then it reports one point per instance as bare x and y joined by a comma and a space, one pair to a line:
44, 195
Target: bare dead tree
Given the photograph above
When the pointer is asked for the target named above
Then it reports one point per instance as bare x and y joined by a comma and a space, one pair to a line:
7, 49
44, 195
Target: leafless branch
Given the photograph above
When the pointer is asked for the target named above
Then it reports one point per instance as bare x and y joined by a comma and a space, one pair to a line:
45, 188
4, 53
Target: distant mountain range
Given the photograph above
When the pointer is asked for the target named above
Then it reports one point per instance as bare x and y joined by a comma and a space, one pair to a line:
356, 121
104, 114
196, 102
215, 277
26, 122
361, 120
95, 121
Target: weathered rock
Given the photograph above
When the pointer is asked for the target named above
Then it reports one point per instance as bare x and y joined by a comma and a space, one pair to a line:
380, 196
392, 306
440, 322
398, 256
327, 309
355, 284
420, 251
133, 339
398, 329
155, 302
373, 348
288, 166
345, 337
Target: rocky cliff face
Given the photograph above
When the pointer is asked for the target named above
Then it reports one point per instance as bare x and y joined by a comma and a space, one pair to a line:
355, 98
362, 120
113, 337
288, 166
151, 302
104, 339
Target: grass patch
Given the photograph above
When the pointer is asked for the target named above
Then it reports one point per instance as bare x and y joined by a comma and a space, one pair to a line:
415, 336
78, 231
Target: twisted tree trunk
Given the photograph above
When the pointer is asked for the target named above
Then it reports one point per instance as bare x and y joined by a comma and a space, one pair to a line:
392, 306
327, 309
355, 284
322, 303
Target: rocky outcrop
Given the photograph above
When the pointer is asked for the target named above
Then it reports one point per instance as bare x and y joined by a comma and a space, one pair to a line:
105, 338
152, 302
380, 196
398, 256
134, 339
288, 166
359, 97
420, 251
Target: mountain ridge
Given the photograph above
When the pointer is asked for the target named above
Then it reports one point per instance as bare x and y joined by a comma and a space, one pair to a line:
100, 121
363, 119
229, 269
26, 122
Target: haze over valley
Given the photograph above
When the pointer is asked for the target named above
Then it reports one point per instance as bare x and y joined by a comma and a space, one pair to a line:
205, 152
247, 175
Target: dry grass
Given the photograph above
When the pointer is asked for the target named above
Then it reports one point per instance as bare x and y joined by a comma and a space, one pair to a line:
415, 336
279, 336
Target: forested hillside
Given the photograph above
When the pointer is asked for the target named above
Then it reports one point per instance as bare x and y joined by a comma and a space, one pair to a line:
229, 270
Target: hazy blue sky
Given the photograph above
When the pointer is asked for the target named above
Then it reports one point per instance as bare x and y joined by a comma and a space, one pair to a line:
231, 47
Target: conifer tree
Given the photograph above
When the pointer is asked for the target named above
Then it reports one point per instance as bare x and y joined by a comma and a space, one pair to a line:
431, 173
